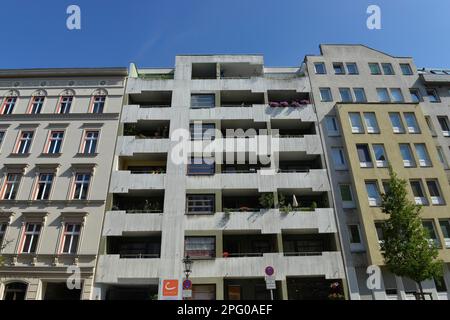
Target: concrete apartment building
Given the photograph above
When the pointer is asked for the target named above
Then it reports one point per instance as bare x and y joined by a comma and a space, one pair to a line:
162, 210
58, 130
373, 108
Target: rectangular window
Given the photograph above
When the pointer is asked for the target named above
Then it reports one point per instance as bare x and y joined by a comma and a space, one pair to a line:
71, 237
98, 104
380, 232
355, 122
90, 142
64, 104
201, 166
411, 122
355, 237
415, 95
422, 155
81, 186
431, 231
203, 292
365, 160
374, 68
445, 227
8, 105
360, 95
373, 194
2, 137
202, 131
325, 95
332, 126
433, 95
435, 192
352, 68
201, 203
199, 101
443, 122
419, 195
200, 247
406, 69
383, 95
24, 143
430, 125
338, 158
371, 122
338, 68
36, 105
380, 155
397, 95
44, 186
346, 95
2, 234
346, 196
319, 68
388, 70
11, 186
408, 159
441, 155
396, 122
55, 142
31, 237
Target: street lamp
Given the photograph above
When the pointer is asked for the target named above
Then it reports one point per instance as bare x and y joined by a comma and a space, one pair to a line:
187, 261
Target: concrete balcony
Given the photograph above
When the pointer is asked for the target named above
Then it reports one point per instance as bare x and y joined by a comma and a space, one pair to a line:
320, 220
310, 144
133, 113
123, 181
315, 180
328, 264
118, 222
130, 145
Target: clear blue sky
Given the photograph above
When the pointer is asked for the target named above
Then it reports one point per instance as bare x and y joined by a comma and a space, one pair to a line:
151, 32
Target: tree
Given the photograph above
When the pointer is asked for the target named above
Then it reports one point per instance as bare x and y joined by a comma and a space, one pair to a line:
407, 250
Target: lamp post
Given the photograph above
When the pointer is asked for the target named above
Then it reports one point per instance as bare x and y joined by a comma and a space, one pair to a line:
187, 261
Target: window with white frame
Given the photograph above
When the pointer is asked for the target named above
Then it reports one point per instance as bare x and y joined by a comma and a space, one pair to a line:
319, 68
445, 228
36, 104
65, 103
355, 122
325, 95
441, 155
396, 122
374, 68
81, 185
443, 122
408, 159
332, 126
346, 196
422, 155
373, 194
411, 122
363, 152
337, 153
352, 68
98, 104
431, 232
419, 195
200, 247
356, 244
90, 142
346, 94
54, 143
383, 95
44, 186
435, 192
8, 105
24, 142
371, 122
11, 186
380, 155
360, 95
71, 237
31, 237
338, 68
397, 95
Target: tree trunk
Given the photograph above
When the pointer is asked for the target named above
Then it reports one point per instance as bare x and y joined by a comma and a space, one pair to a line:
422, 297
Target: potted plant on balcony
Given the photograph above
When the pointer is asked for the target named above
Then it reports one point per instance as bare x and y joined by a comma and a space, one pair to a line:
304, 102
266, 200
284, 104
295, 104
225, 254
335, 292
274, 104
313, 206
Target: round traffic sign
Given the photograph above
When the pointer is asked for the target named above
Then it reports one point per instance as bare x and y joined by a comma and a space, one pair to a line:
269, 271
187, 284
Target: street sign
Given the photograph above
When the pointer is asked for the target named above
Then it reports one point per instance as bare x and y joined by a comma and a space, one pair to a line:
187, 284
269, 270
187, 293
271, 283
170, 289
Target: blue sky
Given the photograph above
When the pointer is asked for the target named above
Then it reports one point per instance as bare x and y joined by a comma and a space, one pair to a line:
151, 32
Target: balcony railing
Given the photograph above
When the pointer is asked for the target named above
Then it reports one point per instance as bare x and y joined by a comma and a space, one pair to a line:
155, 106
302, 254
139, 255
237, 105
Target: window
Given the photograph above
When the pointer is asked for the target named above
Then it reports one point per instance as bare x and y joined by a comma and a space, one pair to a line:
408, 160
2, 234
15, 291
415, 95
430, 125
352, 68
379, 226
396, 121
24, 143
383, 95
201, 166
431, 230
443, 122
338, 158
355, 238
201, 203
71, 237
371, 122
355, 122
44, 186
325, 95
36, 105
360, 95
203, 292
55, 142
411, 122
346, 95
338, 68
31, 237
203, 101
64, 104
386, 186
397, 95
202, 131
98, 104
90, 142
319, 67
380, 155
200, 247
433, 95
435, 193
374, 68
440, 285
2, 136
8, 105
11, 186
387, 69
364, 156
406, 69
373, 194
81, 186
332, 126
346, 196
445, 227
419, 195
442, 157
422, 155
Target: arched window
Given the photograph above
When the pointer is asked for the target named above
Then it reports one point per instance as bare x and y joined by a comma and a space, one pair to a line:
98, 101
37, 102
15, 291
9, 102
65, 101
